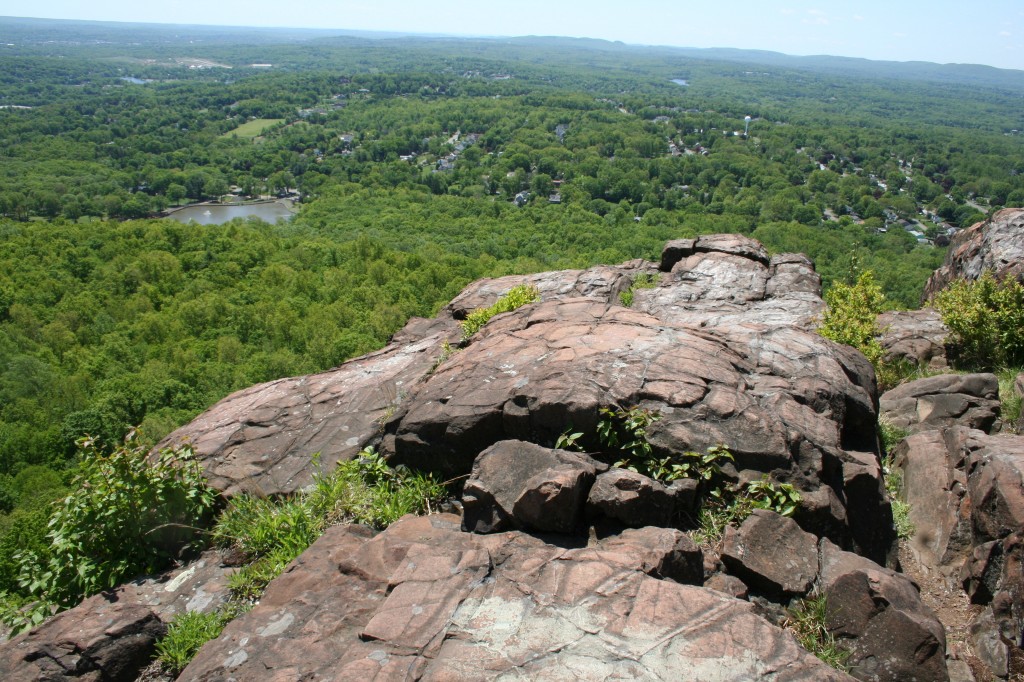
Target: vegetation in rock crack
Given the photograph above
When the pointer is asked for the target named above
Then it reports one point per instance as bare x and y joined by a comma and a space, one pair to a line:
893, 477
447, 350
189, 631
890, 434
986, 320
271, 533
644, 280
807, 620
516, 297
731, 505
126, 514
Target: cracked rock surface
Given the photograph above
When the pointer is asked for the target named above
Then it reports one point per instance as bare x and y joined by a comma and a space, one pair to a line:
424, 600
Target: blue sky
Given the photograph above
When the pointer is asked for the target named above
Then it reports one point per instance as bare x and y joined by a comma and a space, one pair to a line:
983, 32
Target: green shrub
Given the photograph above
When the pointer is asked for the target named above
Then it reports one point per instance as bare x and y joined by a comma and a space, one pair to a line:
890, 435
986, 321
127, 514
516, 298
851, 315
1009, 398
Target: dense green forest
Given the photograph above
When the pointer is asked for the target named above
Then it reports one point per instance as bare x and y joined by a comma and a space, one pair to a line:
415, 166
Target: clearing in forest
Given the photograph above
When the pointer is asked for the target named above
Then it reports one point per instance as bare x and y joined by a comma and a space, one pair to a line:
253, 128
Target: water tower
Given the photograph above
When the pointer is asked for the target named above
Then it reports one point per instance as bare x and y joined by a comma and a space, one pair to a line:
746, 125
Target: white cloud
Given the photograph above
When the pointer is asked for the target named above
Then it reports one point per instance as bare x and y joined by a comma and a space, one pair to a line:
817, 18
1005, 34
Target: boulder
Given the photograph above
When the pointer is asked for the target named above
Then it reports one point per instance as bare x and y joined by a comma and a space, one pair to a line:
996, 485
719, 352
201, 585
970, 400
521, 485
878, 616
917, 337
771, 555
996, 245
634, 499
423, 600
102, 640
934, 487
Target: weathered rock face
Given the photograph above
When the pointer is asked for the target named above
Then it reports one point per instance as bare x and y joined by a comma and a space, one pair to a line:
632, 498
970, 400
914, 336
966, 495
719, 362
112, 636
423, 600
878, 616
934, 485
772, 555
522, 485
102, 640
995, 245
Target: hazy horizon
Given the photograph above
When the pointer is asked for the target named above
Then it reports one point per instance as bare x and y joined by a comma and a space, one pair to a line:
941, 31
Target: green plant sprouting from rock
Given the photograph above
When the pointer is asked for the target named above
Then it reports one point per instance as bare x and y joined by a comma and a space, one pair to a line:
893, 477
516, 298
622, 434
188, 632
808, 622
642, 281
269, 534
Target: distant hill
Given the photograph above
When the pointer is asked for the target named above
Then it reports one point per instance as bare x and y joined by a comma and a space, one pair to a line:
39, 31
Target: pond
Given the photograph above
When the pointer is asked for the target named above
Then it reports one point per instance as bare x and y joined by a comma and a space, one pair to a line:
215, 214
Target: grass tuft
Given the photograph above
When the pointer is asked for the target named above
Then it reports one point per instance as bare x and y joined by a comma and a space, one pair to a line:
807, 620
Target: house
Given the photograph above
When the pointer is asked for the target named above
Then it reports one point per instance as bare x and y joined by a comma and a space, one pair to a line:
521, 199
555, 198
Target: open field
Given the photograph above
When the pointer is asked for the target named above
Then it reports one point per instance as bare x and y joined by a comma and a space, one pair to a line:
253, 128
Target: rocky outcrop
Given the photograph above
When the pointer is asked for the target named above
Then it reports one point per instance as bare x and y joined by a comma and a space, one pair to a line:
994, 245
424, 600
966, 496
718, 368
568, 570
917, 337
970, 400
261, 439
